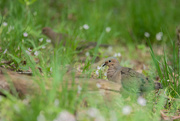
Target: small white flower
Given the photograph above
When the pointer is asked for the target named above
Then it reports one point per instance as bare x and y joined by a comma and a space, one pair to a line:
105, 74
28, 52
85, 26
117, 55
110, 48
65, 116
97, 72
43, 47
79, 89
168, 80
41, 39
159, 36
98, 85
48, 41
126, 110
5, 51
146, 34
25, 34
56, 102
87, 54
36, 53
98, 68
29, 49
51, 69
93, 112
108, 29
141, 101
18, 48
5, 24
41, 117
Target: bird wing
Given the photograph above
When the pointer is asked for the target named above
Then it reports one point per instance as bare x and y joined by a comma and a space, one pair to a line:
133, 80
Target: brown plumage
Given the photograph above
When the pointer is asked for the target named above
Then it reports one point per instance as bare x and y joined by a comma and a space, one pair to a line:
129, 78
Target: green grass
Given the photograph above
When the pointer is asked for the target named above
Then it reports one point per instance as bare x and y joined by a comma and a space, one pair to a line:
168, 73
128, 20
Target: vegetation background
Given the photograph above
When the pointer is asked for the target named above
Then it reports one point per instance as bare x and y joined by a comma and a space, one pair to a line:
140, 33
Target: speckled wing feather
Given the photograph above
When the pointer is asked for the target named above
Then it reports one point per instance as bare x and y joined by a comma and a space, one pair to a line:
133, 80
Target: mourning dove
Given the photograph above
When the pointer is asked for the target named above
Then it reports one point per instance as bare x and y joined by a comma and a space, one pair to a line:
130, 79
58, 37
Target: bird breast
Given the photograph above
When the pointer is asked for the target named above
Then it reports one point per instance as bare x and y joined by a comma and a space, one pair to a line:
113, 74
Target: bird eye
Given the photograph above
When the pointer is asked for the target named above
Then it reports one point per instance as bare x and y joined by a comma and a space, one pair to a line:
109, 60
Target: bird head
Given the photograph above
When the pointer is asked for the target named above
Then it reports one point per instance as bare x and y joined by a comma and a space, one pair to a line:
48, 32
112, 61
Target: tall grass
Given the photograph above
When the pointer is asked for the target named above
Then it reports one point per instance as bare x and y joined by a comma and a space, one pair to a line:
55, 95
168, 69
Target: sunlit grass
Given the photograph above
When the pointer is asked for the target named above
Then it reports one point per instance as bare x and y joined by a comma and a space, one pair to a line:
118, 22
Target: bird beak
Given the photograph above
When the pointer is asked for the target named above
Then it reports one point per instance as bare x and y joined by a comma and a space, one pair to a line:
104, 65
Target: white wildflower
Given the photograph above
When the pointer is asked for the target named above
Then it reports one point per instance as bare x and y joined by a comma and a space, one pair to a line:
48, 41
18, 48
87, 54
5, 24
50, 69
146, 34
5, 51
41, 117
85, 26
43, 47
98, 68
141, 101
56, 102
30, 49
168, 80
65, 116
105, 74
159, 36
41, 39
98, 85
93, 112
97, 72
117, 55
36, 53
126, 110
79, 89
25, 34
108, 29
28, 52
